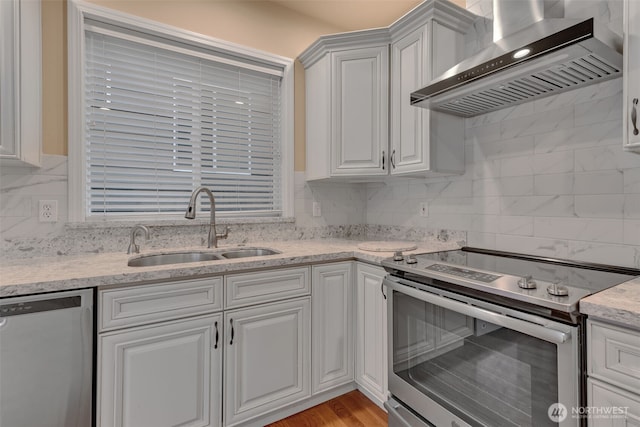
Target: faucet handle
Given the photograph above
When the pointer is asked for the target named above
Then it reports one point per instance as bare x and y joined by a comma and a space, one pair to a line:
223, 235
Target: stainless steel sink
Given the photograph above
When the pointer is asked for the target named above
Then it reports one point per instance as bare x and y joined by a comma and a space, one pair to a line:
172, 258
248, 252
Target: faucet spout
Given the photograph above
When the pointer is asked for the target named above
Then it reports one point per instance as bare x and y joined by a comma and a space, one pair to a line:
134, 248
212, 239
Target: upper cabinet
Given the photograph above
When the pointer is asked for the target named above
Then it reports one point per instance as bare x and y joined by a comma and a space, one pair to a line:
631, 76
359, 121
424, 44
347, 105
20, 86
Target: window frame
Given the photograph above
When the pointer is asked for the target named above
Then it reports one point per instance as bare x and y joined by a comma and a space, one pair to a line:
78, 13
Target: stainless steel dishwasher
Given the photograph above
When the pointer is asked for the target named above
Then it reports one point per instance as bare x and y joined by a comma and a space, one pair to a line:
46, 360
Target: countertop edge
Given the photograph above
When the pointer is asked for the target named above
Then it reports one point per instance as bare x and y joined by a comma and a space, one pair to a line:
25, 277
619, 304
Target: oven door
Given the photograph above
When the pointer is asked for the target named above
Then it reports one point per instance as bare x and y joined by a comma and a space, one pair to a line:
458, 361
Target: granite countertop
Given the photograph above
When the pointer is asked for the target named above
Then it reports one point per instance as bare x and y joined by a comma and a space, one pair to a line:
36, 275
620, 304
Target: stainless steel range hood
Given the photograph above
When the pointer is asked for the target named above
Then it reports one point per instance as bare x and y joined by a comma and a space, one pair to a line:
545, 58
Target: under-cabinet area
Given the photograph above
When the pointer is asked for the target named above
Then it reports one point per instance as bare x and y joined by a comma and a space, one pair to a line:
239, 349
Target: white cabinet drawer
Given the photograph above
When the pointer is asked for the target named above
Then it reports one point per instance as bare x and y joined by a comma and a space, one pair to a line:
137, 305
611, 407
265, 286
614, 355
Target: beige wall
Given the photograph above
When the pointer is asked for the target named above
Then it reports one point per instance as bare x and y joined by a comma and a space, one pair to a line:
258, 24
54, 76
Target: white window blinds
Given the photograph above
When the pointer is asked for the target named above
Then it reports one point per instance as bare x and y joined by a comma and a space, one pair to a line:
162, 120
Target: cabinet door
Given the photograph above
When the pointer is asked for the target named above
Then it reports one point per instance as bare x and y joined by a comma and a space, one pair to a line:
424, 142
409, 146
21, 83
331, 326
371, 335
631, 75
360, 81
623, 408
267, 358
167, 374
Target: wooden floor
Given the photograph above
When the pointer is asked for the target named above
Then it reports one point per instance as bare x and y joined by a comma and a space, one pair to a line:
351, 409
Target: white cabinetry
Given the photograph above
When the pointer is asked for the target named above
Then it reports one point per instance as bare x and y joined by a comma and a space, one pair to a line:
20, 86
166, 374
360, 100
165, 371
332, 325
631, 75
267, 358
347, 102
613, 364
160, 350
371, 332
424, 44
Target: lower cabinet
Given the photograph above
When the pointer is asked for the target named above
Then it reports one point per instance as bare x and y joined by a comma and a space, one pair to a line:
161, 347
179, 354
166, 374
617, 407
371, 332
332, 325
267, 358
613, 365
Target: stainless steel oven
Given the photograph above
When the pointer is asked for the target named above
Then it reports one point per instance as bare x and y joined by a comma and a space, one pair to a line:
473, 340
461, 361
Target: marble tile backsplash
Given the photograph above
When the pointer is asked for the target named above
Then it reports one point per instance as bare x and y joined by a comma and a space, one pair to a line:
343, 216
549, 177
22, 235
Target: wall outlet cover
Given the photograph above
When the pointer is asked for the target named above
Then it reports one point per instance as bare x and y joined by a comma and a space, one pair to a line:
47, 210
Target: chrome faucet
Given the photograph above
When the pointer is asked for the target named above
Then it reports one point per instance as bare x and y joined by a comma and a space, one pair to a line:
133, 247
213, 237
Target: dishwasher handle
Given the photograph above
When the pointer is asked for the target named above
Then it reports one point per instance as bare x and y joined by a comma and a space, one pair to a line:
39, 306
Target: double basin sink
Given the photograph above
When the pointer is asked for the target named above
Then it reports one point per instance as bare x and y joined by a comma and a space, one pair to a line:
197, 256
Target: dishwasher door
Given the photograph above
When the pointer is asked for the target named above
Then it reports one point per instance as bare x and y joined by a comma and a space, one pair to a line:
46, 348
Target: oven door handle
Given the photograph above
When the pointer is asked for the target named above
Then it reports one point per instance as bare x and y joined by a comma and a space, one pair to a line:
543, 332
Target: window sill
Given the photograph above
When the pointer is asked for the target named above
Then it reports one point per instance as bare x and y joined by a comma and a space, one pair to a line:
175, 222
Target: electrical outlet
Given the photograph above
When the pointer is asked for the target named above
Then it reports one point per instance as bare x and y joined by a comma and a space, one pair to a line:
316, 209
423, 209
48, 210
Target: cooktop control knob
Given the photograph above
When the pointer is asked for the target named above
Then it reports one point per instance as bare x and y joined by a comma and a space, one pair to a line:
398, 256
527, 282
558, 290
411, 259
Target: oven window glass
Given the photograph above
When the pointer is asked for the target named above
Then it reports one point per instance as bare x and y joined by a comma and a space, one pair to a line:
483, 373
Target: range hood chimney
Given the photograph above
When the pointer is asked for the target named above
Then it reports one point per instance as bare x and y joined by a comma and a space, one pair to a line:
535, 53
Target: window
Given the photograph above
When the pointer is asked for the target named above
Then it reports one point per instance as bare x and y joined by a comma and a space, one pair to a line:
164, 114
